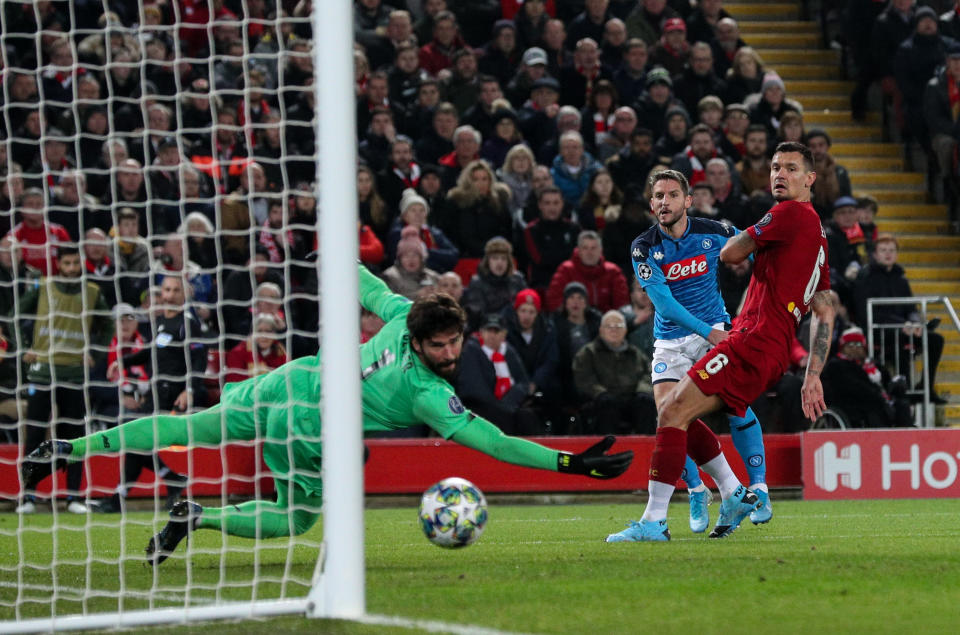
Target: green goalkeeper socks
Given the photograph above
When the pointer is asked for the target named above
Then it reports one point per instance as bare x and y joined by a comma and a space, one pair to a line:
258, 519
152, 433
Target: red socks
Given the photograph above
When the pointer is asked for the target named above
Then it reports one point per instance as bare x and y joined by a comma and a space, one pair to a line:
702, 444
669, 455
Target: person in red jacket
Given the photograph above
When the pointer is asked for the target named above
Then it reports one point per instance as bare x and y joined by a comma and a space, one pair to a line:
437, 54
605, 283
260, 353
37, 238
371, 249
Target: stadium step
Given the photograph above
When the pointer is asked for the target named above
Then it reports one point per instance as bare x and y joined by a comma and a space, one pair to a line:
785, 40
853, 132
890, 196
842, 150
942, 258
819, 86
871, 164
932, 273
911, 180
776, 26
929, 212
947, 243
763, 12
818, 118
951, 289
774, 57
821, 101
790, 72
912, 225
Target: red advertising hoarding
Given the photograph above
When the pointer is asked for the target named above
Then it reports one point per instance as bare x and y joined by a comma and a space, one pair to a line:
909, 463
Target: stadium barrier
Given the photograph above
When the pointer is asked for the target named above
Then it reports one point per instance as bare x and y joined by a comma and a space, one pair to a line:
409, 466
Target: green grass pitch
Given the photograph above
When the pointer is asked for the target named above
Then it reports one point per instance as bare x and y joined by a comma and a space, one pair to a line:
837, 567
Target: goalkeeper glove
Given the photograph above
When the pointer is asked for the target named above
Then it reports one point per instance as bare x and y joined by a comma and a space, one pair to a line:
593, 461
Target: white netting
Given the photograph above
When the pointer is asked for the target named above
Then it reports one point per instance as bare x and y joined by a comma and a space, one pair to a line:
160, 138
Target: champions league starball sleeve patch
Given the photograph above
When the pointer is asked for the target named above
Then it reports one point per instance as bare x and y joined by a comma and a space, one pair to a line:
644, 271
455, 405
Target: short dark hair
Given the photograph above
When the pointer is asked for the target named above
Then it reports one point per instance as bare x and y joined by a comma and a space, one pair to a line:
698, 129
550, 189
67, 249
670, 175
756, 127
641, 132
703, 185
819, 132
435, 313
128, 213
793, 146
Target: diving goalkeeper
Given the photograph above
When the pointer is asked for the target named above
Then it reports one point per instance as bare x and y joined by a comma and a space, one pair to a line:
406, 370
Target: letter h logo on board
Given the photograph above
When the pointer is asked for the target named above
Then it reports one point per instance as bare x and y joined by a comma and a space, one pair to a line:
833, 468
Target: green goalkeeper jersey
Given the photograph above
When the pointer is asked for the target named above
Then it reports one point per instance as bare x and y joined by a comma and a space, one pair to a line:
399, 391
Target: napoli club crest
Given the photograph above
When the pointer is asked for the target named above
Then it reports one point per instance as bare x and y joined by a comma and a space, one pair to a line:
707, 243
660, 367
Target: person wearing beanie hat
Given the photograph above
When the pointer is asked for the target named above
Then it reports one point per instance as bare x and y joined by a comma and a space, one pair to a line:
501, 56
506, 134
409, 271
575, 287
773, 103
675, 135
577, 324
653, 104
442, 254
495, 284
532, 335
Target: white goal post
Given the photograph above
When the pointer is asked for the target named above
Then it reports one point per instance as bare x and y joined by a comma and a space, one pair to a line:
337, 586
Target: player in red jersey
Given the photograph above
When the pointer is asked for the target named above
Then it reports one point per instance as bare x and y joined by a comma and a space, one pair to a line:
790, 278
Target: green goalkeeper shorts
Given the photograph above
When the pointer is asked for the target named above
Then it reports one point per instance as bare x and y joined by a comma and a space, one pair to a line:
281, 408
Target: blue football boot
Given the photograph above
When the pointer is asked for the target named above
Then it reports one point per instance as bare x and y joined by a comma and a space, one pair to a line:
642, 531
764, 512
699, 514
733, 510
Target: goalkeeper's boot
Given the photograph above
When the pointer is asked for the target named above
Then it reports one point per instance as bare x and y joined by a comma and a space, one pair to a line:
733, 510
175, 483
699, 514
642, 531
49, 457
764, 512
184, 518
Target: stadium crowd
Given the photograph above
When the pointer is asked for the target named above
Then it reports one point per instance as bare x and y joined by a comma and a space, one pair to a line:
504, 147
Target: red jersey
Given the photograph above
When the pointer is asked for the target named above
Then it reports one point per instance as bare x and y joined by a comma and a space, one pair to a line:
34, 244
789, 267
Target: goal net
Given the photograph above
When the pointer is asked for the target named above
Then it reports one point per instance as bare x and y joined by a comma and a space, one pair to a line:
166, 232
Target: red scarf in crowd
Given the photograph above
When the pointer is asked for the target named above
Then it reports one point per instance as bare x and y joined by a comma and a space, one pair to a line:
590, 79
601, 125
504, 380
953, 92
698, 171
95, 269
269, 239
409, 181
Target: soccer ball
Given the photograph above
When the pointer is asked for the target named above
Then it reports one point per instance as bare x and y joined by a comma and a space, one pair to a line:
453, 513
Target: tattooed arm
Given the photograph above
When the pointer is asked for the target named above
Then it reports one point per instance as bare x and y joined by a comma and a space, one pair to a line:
824, 310
738, 248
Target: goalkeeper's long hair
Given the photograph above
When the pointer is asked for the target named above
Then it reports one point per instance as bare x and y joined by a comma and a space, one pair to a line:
435, 313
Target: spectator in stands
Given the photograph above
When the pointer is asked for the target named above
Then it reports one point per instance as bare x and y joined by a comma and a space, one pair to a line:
613, 378
653, 105
99, 266
867, 209
402, 172
163, 177
438, 141
534, 338
941, 115
371, 249
725, 45
853, 385
791, 129
597, 117
74, 209
477, 210
174, 260
773, 103
732, 134
704, 202
728, 197
418, 116
588, 24
602, 199
517, 174
697, 79
451, 284
374, 211
568, 118
622, 226
494, 285
576, 324
639, 315
613, 43
530, 20
380, 134
848, 247
69, 314
38, 239
883, 277
833, 180
501, 55
409, 270
258, 354
493, 381
893, 25
693, 159
437, 54
672, 51
482, 113
132, 255
538, 116
466, 150
573, 168
442, 254
238, 292
604, 282
405, 76
506, 135
548, 240
914, 64
553, 39
533, 66
675, 136
754, 168
631, 165
630, 78
578, 80
461, 87
646, 19
744, 77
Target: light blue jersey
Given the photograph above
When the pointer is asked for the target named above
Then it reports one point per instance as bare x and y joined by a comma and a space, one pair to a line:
681, 277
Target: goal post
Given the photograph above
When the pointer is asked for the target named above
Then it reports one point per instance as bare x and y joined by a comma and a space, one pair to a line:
87, 571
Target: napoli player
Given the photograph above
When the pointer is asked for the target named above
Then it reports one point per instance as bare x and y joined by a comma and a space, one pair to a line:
790, 278
677, 262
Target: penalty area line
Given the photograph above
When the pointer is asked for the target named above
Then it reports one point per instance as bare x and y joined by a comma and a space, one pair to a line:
430, 626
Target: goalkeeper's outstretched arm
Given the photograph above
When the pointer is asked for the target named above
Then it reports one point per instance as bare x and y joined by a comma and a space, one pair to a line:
483, 436
375, 296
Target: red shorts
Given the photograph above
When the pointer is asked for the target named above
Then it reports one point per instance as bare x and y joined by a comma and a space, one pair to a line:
738, 370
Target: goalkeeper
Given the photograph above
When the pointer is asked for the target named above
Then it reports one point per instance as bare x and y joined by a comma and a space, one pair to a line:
407, 367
